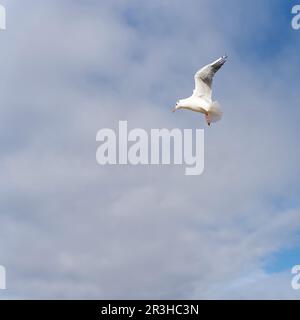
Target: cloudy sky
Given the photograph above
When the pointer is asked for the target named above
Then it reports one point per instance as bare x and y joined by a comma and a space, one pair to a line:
70, 228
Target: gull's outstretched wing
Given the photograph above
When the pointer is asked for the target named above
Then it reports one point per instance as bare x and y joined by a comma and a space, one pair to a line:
204, 77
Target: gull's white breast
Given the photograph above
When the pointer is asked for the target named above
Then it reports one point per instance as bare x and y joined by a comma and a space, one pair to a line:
196, 103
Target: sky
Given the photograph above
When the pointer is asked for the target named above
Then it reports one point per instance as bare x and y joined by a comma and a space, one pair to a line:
71, 229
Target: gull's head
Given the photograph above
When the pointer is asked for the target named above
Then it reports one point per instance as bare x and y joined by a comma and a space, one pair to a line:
177, 106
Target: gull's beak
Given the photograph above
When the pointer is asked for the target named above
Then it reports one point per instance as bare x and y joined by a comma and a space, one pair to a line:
174, 109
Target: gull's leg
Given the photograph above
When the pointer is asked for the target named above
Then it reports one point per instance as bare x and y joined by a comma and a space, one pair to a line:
207, 118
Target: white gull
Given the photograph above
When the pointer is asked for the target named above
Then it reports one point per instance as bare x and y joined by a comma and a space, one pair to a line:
201, 99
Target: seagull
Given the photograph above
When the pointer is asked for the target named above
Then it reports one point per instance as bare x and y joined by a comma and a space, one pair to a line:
201, 99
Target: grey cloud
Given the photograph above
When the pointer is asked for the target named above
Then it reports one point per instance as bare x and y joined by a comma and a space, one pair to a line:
72, 229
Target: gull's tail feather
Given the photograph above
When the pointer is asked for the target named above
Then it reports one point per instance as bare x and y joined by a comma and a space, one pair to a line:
215, 112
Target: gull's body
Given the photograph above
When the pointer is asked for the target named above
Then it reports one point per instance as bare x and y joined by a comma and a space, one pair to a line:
201, 99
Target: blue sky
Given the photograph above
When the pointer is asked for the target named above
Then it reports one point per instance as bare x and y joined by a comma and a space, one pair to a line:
281, 35
73, 229
284, 259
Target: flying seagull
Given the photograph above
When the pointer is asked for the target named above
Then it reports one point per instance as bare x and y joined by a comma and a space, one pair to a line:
201, 99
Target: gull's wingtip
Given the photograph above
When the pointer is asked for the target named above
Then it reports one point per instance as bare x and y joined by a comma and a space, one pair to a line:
222, 59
